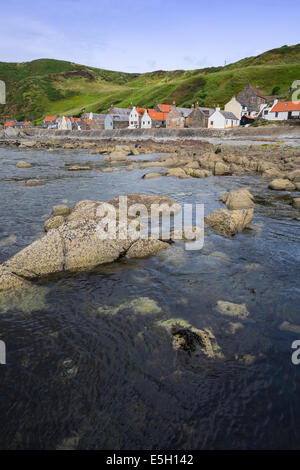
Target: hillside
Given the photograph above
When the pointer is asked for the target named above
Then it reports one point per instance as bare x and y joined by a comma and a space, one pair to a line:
48, 86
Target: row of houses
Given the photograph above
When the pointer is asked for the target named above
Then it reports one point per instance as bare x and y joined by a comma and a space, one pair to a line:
242, 109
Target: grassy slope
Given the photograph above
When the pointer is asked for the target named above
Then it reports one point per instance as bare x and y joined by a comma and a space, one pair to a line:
51, 86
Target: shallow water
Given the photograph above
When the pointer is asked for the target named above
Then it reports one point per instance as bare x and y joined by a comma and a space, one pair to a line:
87, 370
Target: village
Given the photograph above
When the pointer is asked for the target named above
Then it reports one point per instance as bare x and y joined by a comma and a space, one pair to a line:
249, 106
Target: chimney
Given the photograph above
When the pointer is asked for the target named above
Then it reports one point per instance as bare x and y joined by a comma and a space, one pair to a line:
218, 109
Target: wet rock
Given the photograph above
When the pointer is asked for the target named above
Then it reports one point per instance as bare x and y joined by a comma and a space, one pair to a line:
115, 157
232, 310
282, 185
9, 280
125, 149
23, 164
194, 165
61, 209
294, 176
296, 202
152, 175
229, 222
197, 173
54, 222
208, 160
147, 201
221, 169
41, 258
79, 168
144, 248
238, 199
177, 172
273, 173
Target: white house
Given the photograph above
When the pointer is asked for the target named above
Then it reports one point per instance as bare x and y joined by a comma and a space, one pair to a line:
146, 122
62, 124
223, 120
134, 119
282, 111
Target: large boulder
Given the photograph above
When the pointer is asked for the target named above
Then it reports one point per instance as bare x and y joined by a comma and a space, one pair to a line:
76, 245
229, 222
282, 185
238, 199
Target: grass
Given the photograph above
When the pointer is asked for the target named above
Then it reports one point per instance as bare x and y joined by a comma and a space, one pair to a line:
50, 86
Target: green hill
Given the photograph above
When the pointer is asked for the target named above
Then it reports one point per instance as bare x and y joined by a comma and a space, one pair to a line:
48, 86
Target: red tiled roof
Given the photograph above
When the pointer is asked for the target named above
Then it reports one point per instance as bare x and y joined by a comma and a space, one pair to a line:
286, 106
9, 124
140, 111
165, 108
50, 118
156, 116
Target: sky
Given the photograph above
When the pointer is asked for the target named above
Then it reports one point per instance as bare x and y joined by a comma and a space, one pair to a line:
142, 36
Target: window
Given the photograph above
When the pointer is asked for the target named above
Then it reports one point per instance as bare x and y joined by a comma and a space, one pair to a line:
266, 112
276, 114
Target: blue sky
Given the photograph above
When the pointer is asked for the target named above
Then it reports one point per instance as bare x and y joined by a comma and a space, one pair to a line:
140, 36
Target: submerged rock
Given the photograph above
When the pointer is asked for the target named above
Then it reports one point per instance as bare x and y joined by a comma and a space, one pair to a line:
229, 222
7, 241
187, 338
140, 305
296, 202
232, 310
287, 326
33, 182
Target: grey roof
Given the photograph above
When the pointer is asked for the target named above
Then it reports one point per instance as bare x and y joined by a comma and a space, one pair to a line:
228, 115
208, 111
124, 111
185, 112
120, 117
99, 116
